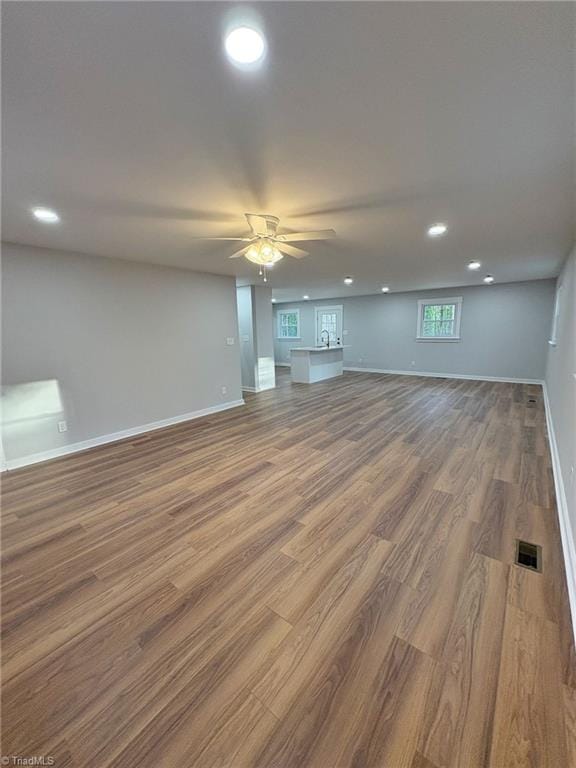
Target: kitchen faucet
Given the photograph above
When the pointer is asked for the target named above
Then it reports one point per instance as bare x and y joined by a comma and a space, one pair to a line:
328, 339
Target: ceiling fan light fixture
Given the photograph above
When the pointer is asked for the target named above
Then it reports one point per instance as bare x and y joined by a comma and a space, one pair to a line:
264, 253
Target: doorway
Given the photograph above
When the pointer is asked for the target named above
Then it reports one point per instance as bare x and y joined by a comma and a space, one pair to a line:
329, 319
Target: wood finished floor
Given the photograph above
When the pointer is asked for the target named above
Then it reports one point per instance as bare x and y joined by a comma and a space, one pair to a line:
322, 578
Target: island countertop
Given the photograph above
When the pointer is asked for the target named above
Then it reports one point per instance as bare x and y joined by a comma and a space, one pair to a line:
318, 349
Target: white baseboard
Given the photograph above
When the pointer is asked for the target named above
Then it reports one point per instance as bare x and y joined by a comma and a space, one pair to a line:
284, 365
255, 390
427, 374
85, 445
566, 532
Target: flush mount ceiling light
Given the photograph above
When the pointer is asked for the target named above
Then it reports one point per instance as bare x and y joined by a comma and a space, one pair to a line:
348, 280
385, 289
46, 215
474, 264
273, 301
488, 279
245, 45
437, 230
305, 297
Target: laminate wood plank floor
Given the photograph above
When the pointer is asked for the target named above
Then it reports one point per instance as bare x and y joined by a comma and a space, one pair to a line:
323, 578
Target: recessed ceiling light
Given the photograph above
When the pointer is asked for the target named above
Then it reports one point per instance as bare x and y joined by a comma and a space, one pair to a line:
437, 230
385, 289
306, 297
474, 264
348, 280
245, 45
46, 215
488, 279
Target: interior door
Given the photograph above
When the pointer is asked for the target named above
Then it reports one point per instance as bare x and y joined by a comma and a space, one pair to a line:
329, 319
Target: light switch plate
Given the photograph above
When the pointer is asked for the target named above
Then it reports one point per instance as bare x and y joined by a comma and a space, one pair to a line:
230, 341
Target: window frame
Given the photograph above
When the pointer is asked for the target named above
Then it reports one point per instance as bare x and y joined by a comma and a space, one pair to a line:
422, 303
279, 314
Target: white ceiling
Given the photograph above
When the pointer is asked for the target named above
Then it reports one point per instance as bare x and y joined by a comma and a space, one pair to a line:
376, 119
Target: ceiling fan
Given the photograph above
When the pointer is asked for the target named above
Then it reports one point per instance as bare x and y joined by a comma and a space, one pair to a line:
266, 247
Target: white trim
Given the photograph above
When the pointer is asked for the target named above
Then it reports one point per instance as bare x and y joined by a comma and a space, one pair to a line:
3, 466
287, 311
255, 390
566, 532
427, 374
93, 442
556, 314
285, 365
456, 300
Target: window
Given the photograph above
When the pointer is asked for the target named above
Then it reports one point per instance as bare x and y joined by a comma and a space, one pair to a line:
439, 319
288, 323
554, 336
329, 320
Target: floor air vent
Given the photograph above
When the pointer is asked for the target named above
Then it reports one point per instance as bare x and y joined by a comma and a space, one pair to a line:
532, 400
528, 555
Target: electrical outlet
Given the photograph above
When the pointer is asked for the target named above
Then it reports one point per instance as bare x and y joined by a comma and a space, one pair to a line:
62, 426
224, 390
413, 363
230, 341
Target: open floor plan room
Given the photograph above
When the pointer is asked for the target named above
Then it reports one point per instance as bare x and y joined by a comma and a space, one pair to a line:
288, 402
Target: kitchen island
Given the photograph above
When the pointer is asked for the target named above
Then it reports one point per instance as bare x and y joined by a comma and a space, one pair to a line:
311, 364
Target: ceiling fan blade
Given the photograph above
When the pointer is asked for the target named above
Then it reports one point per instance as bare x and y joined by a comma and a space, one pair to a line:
239, 253
262, 225
298, 253
294, 237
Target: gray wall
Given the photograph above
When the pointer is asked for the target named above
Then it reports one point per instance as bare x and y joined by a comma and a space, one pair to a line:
256, 340
247, 336
504, 331
109, 345
561, 386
